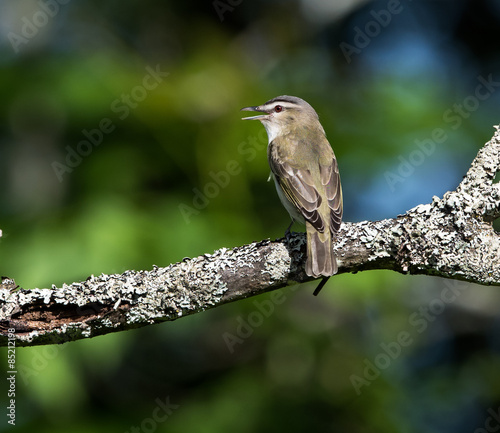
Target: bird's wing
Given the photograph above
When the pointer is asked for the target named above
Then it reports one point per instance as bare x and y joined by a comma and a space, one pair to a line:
330, 178
299, 187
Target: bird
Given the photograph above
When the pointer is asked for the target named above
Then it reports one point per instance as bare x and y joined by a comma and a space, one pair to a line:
306, 174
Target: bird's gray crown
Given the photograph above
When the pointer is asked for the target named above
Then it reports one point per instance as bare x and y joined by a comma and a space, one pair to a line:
288, 102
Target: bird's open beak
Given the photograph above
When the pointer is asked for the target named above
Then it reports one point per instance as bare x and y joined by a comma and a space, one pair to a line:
257, 108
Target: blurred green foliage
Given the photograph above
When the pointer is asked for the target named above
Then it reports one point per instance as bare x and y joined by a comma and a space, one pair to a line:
120, 207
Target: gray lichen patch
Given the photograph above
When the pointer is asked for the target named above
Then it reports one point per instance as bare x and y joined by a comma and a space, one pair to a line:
277, 264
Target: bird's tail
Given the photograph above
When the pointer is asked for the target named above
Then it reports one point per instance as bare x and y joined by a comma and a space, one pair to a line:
321, 260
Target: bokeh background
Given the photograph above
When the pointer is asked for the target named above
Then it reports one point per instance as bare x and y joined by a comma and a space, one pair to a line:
377, 351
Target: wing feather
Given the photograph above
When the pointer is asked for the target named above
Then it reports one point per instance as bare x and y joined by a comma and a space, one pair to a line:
299, 188
330, 178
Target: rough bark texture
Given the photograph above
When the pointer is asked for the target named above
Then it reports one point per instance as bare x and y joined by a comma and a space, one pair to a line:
451, 237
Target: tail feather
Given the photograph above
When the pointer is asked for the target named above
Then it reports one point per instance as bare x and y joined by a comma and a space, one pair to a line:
321, 260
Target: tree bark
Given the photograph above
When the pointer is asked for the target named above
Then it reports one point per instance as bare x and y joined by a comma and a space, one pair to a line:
451, 237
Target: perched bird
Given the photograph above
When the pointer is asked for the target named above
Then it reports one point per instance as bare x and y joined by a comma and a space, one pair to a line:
306, 175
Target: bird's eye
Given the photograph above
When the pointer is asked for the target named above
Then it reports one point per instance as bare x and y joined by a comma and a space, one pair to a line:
278, 108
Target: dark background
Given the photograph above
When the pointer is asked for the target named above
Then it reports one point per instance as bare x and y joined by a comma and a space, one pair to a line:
385, 77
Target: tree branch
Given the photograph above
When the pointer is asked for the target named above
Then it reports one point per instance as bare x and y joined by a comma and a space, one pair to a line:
451, 237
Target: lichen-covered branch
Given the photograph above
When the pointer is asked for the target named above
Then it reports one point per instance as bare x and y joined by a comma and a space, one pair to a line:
451, 237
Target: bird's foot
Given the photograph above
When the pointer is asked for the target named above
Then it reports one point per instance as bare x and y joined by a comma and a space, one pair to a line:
288, 233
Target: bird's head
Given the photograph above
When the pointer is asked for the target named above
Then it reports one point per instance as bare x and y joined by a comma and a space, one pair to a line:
284, 114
